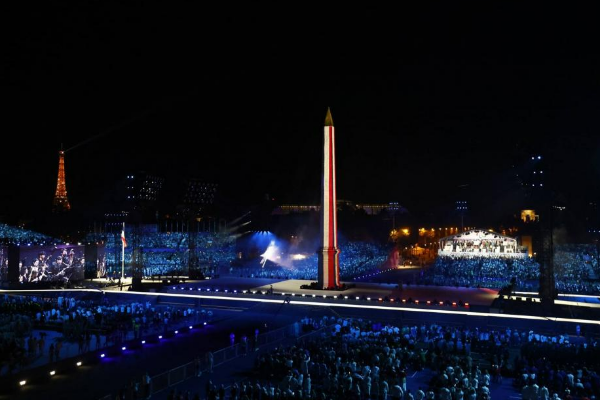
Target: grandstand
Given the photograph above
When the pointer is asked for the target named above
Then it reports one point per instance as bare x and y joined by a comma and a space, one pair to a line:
167, 253
479, 258
14, 235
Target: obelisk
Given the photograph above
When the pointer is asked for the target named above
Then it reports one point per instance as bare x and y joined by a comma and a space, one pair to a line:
329, 265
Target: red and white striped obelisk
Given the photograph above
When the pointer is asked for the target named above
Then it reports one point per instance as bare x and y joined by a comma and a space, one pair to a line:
329, 265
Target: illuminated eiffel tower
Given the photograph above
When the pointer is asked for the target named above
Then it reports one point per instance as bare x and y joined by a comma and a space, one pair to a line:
61, 203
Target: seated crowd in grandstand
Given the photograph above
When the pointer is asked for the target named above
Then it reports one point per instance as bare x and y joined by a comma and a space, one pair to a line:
11, 234
575, 269
167, 253
357, 258
483, 272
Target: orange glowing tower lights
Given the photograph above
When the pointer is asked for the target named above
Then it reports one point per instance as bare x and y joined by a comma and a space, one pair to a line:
61, 202
329, 265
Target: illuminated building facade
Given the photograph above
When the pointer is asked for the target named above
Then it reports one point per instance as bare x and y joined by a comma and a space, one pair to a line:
143, 187
529, 216
368, 208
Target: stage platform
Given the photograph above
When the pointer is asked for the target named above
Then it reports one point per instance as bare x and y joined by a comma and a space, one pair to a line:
483, 297
374, 290
232, 282
473, 296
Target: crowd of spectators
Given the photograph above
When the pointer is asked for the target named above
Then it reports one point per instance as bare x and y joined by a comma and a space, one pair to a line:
356, 259
11, 234
79, 320
576, 268
14, 328
547, 365
362, 360
483, 272
168, 253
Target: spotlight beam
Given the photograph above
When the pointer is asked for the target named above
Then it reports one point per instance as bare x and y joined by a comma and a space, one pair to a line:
112, 128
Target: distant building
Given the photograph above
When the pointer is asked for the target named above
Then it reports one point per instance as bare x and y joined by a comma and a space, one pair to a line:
142, 193
200, 193
529, 216
374, 209
113, 221
143, 188
196, 199
368, 208
296, 208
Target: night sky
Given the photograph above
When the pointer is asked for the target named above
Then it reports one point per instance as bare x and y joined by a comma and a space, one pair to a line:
430, 106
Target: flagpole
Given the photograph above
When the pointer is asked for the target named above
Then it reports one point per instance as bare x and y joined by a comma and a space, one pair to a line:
123, 255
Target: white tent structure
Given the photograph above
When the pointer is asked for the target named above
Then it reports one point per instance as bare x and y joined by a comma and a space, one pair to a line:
480, 243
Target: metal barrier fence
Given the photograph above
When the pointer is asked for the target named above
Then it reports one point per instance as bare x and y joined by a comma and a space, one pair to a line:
239, 349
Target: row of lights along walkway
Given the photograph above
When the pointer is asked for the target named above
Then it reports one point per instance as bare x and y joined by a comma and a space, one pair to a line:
111, 353
386, 299
383, 271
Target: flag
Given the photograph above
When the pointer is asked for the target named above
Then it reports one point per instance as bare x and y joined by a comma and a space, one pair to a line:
123, 238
